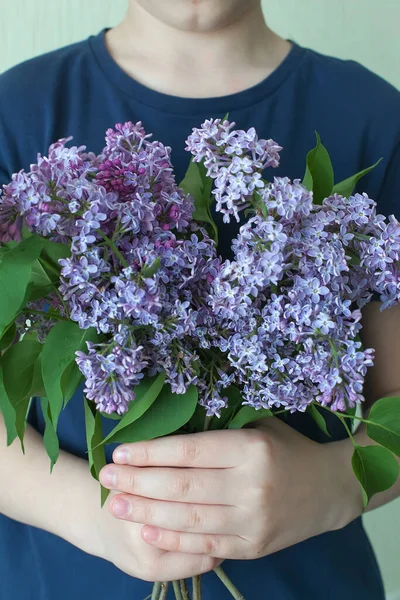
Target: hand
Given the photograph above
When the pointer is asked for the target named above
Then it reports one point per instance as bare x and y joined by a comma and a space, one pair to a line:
122, 544
238, 494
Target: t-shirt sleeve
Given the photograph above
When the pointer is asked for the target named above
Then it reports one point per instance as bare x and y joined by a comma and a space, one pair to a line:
4, 176
389, 196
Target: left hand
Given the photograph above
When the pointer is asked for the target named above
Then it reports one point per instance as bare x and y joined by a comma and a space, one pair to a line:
238, 494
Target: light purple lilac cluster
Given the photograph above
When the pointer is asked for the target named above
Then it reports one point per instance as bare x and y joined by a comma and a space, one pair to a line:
140, 267
235, 160
288, 307
280, 320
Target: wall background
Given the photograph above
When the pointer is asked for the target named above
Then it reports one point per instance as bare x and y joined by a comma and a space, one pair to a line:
363, 30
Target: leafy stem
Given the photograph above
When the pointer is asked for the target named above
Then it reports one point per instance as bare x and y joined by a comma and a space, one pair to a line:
343, 416
347, 428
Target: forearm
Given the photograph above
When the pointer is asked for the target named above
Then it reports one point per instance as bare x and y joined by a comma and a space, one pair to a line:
66, 502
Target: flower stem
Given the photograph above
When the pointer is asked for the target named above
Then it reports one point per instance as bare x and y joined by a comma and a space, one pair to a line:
177, 590
207, 422
184, 589
164, 590
347, 428
196, 581
156, 591
114, 248
228, 584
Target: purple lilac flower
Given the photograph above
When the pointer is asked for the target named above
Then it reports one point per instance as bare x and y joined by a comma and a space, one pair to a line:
280, 320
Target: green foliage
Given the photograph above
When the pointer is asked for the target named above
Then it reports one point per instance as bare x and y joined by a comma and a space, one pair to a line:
199, 186
15, 273
94, 436
319, 419
346, 187
63, 340
51, 254
18, 364
40, 284
375, 468
166, 415
196, 422
8, 337
50, 438
384, 423
248, 414
147, 391
70, 381
152, 269
319, 176
37, 387
8, 412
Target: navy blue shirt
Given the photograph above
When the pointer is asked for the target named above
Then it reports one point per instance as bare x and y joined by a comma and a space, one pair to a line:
79, 90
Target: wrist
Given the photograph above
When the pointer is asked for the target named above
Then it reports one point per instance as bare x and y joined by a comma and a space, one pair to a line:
348, 500
83, 523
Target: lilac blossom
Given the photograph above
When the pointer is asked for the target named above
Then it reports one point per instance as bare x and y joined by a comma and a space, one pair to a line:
280, 319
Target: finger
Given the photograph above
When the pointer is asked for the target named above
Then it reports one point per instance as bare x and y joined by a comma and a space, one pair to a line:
217, 546
200, 486
195, 518
175, 565
208, 449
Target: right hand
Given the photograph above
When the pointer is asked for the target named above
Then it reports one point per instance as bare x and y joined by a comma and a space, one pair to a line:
120, 543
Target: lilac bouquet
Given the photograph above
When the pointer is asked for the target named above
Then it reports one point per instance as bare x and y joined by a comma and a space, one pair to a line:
111, 277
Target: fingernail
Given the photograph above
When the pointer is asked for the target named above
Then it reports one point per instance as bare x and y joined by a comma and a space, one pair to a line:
151, 534
121, 455
120, 507
108, 477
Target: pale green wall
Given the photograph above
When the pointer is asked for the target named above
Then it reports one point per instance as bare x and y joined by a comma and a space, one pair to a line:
364, 30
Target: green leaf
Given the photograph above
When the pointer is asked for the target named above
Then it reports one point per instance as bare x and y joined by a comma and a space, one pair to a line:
319, 176
319, 419
40, 283
18, 370
248, 414
71, 379
199, 186
94, 438
375, 468
112, 416
15, 273
50, 438
166, 415
19, 365
152, 269
8, 412
346, 187
63, 340
196, 422
385, 426
147, 391
52, 252
8, 337
37, 387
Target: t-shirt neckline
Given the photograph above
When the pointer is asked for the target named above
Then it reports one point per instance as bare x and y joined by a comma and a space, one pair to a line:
190, 106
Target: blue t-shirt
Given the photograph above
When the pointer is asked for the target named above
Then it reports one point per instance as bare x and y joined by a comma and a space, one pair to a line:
79, 90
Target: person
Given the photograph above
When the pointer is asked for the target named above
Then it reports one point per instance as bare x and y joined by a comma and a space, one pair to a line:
278, 507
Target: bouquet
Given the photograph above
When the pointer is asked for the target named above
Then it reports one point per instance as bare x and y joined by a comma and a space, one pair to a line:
110, 277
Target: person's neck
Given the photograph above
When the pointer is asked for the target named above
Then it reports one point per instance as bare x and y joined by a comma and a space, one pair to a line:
196, 64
